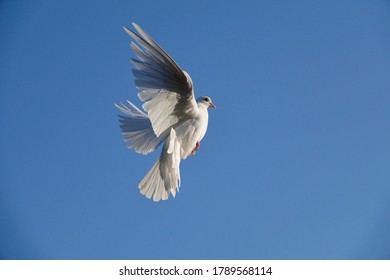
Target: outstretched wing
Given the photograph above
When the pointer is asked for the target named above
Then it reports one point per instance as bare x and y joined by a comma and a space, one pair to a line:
137, 129
166, 90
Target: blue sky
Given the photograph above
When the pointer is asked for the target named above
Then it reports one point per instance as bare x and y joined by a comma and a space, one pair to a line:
295, 163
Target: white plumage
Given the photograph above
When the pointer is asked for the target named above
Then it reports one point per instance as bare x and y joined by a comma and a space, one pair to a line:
173, 116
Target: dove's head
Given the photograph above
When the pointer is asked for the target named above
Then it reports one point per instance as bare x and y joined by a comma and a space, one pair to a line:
205, 100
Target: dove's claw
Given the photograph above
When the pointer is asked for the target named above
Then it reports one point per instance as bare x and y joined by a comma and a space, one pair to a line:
196, 148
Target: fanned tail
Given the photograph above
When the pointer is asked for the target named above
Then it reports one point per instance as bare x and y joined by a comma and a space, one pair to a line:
164, 177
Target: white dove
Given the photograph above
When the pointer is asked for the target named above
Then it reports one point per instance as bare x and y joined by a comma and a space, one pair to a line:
173, 116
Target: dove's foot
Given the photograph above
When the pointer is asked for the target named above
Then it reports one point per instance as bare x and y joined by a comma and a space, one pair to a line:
196, 148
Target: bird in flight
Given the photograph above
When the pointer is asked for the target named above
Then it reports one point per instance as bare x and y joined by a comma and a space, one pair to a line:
173, 116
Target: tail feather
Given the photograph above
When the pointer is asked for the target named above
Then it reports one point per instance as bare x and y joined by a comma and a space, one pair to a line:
153, 184
164, 177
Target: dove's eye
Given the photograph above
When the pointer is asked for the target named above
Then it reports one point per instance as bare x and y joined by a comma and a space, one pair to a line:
206, 99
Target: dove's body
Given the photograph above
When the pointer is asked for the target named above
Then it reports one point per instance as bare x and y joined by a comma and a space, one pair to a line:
173, 116
191, 131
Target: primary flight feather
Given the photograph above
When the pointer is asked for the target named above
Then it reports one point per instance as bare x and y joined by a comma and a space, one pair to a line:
173, 117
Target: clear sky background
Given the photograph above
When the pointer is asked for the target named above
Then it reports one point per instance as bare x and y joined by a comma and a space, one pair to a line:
295, 163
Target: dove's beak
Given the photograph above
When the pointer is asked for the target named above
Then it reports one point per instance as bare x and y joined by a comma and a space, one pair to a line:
212, 105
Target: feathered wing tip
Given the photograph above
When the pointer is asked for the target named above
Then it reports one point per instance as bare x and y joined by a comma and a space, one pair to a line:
131, 110
137, 129
164, 177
